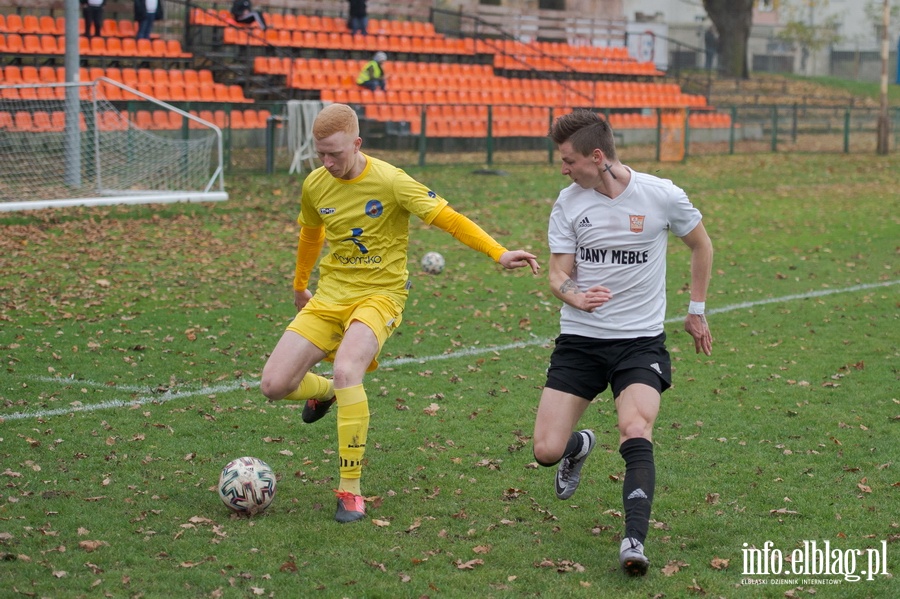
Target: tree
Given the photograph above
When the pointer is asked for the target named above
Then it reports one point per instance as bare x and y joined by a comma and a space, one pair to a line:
807, 27
733, 20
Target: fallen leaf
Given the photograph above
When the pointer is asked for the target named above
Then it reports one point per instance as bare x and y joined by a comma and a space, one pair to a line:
673, 567
469, 565
718, 563
90, 546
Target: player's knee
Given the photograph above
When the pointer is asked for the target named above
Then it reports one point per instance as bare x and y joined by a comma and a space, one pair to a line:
272, 389
545, 455
635, 430
346, 376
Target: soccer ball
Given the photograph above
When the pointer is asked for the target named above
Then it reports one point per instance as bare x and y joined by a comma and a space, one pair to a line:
432, 263
247, 485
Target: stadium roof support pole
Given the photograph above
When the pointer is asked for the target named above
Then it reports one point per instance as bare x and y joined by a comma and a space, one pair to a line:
73, 142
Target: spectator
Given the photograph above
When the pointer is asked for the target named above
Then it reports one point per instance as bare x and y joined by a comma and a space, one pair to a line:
711, 45
243, 12
146, 12
93, 17
372, 75
359, 20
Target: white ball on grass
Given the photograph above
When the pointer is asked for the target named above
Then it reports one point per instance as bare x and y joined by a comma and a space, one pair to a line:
433, 263
247, 485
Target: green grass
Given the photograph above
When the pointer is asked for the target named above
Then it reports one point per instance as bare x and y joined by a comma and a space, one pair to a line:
134, 339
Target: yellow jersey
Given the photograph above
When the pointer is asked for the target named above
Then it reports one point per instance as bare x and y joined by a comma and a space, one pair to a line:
366, 223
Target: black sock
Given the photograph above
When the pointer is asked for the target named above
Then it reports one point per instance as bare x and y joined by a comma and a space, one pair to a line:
640, 482
576, 442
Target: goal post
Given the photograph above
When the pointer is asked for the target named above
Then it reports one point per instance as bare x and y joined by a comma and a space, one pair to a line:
158, 153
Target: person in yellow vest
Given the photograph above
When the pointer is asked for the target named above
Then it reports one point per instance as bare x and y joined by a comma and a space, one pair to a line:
372, 75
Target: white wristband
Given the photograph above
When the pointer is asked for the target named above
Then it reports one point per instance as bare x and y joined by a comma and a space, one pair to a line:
697, 308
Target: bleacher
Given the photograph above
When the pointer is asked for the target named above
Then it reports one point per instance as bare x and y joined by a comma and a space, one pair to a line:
458, 80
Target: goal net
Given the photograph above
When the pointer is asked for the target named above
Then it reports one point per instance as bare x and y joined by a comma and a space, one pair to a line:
84, 144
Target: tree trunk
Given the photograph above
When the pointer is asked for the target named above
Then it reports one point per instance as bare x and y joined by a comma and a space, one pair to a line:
733, 20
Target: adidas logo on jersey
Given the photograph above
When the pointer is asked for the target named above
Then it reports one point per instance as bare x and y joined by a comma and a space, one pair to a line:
655, 366
584, 223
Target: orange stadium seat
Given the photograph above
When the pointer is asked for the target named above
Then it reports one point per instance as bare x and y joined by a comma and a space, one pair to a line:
126, 28
31, 44
30, 74
176, 93
161, 91
143, 119
47, 74
145, 76
236, 94
22, 120
41, 121
114, 47
129, 77
144, 48
251, 119
129, 46
191, 77
176, 77
28, 93
161, 119
111, 92
98, 46
14, 23
158, 48
49, 44
174, 50
58, 120
160, 76
176, 121
110, 28
236, 120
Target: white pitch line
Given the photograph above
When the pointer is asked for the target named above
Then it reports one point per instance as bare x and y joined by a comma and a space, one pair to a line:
468, 352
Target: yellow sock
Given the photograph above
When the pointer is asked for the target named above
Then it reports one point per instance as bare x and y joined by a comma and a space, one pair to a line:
313, 386
351, 485
353, 428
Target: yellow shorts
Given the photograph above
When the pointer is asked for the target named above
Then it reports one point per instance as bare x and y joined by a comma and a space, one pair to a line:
324, 324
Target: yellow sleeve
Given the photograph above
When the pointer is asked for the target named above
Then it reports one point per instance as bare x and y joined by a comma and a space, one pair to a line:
466, 231
309, 246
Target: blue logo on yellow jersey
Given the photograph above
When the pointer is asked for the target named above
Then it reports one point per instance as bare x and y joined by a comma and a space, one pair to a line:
356, 233
374, 208
431, 194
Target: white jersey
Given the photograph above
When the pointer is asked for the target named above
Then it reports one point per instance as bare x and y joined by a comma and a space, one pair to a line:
620, 244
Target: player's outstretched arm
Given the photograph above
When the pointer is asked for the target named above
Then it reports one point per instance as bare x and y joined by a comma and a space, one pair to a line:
518, 259
469, 233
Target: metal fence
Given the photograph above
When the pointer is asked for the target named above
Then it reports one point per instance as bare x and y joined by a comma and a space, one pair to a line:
750, 129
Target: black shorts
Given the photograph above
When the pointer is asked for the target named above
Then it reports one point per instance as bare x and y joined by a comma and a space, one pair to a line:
585, 366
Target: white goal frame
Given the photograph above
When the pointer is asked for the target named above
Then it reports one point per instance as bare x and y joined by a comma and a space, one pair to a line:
91, 175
